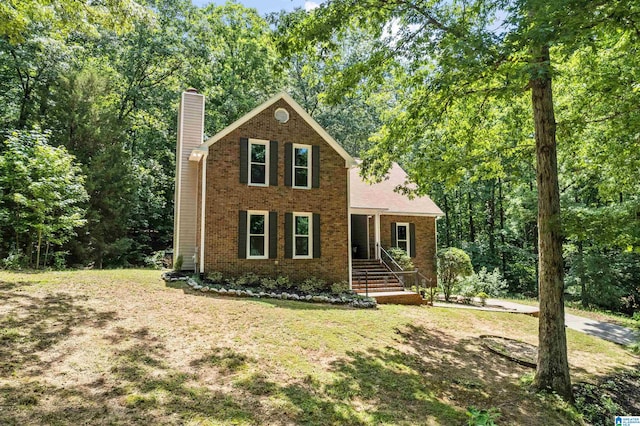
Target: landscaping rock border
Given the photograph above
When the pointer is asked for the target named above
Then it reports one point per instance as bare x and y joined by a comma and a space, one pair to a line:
355, 302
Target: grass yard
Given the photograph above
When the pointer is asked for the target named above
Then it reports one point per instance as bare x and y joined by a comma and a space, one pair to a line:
121, 347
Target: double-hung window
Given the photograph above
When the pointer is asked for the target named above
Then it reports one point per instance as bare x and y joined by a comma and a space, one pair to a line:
302, 237
402, 237
257, 235
258, 162
301, 166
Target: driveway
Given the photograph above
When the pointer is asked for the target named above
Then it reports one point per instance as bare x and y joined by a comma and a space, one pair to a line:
604, 330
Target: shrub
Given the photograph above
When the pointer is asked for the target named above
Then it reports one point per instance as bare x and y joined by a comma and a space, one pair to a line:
155, 261
402, 258
490, 283
312, 285
340, 287
269, 283
215, 277
248, 279
177, 265
453, 264
15, 260
482, 417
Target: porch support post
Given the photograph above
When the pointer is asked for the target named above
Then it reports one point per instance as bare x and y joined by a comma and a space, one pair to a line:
377, 234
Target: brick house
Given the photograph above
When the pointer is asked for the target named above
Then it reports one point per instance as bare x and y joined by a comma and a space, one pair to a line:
274, 194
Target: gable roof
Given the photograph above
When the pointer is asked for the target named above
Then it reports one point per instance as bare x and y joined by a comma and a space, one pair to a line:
382, 195
349, 161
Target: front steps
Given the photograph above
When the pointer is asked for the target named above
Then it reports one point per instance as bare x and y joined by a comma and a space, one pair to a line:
382, 284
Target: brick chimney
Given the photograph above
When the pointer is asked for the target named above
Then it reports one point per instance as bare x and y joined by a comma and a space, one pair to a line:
190, 136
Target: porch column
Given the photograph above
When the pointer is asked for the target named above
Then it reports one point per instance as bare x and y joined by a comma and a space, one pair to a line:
377, 234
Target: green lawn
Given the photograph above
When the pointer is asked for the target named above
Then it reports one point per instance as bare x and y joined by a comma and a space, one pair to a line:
121, 347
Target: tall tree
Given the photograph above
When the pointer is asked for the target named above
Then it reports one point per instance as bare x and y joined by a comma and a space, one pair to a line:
458, 58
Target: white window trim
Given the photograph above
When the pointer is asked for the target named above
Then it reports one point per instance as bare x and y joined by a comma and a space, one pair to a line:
266, 164
408, 240
294, 167
266, 233
309, 236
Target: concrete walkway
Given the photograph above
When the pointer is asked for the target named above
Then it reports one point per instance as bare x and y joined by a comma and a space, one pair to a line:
604, 330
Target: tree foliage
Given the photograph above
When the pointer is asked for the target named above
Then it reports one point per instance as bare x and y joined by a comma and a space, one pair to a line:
453, 265
42, 197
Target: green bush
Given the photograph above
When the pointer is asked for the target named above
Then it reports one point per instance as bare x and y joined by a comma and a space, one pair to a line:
269, 283
177, 265
401, 258
249, 279
340, 287
155, 260
216, 277
16, 260
482, 417
453, 264
490, 283
312, 285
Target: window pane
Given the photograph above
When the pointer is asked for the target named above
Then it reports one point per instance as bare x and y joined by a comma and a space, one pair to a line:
403, 245
302, 246
258, 173
258, 153
302, 225
256, 224
301, 177
302, 157
256, 246
402, 232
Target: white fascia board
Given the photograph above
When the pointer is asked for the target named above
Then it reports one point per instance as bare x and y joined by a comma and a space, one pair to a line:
349, 161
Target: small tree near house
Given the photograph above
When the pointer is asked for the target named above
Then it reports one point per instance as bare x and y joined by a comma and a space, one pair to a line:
453, 264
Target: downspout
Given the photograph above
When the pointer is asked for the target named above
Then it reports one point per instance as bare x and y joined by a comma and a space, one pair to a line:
377, 234
349, 250
203, 195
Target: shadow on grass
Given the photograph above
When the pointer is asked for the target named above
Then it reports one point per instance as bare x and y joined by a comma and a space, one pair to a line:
30, 325
427, 376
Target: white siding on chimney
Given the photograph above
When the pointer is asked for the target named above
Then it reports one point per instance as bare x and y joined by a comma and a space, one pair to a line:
190, 136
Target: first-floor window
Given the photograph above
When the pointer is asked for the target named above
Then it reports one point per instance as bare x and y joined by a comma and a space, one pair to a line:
302, 225
257, 235
402, 237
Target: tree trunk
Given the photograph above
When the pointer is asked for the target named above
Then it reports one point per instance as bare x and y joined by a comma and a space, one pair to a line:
38, 249
584, 295
472, 228
502, 239
447, 222
491, 221
552, 371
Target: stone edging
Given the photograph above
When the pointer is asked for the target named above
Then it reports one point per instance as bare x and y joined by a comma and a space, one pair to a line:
357, 303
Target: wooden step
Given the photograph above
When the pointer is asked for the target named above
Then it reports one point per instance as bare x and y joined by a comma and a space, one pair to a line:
400, 298
376, 291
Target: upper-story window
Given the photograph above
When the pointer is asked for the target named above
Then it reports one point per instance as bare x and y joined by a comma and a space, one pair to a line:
301, 166
258, 162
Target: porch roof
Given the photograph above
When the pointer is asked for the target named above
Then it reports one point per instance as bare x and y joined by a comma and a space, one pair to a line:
381, 196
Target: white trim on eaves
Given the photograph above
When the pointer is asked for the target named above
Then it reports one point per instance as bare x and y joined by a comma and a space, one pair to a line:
349, 161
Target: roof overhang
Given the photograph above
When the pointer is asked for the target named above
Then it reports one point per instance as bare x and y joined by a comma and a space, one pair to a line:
349, 161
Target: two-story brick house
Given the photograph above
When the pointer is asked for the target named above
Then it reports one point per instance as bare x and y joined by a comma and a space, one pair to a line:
273, 194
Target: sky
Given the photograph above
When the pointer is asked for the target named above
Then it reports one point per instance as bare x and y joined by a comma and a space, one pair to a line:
267, 6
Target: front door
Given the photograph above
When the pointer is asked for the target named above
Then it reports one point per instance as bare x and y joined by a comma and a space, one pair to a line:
359, 236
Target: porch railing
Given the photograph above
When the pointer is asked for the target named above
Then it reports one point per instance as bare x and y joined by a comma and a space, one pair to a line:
410, 280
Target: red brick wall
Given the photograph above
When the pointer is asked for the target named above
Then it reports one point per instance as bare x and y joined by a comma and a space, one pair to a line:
226, 196
424, 257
